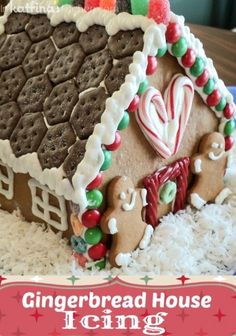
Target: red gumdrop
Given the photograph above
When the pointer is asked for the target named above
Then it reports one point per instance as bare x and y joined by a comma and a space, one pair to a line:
116, 144
90, 4
189, 58
214, 98
159, 10
134, 104
229, 142
91, 218
152, 65
229, 111
97, 252
96, 182
173, 32
203, 79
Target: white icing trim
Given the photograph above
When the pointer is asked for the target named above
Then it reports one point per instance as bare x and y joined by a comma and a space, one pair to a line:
144, 196
226, 192
122, 196
198, 166
47, 207
147, 237
8, 181
130, 206
87, 170
112, 225
123, 259
197, 201
214, 157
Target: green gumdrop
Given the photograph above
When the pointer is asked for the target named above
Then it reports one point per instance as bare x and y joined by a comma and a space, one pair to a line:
209, 87
221, 105
94, 198
64, 2
198, 67
78, 244
229, 127
143, 87
162, 51
180, 47
124, 122
167, 192
93, 236
139, 7
107, 160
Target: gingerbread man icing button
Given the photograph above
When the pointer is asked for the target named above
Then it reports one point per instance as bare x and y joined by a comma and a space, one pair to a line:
123, 220
208, 167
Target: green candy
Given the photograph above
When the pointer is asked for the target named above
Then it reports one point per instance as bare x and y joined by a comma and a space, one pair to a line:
78, 244
64, 2
167, 192
100, 264
162, 51
124, 122
107, 160
180, 47
94, 198
221, 105
143, 87
93, 236
209, 87
198, 67
139, 7
229, 127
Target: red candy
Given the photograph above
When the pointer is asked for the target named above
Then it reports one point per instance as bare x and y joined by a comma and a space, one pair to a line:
159, 10
108, 4
152, 65
203, 79
173, 32
229, 142
81, 259
90, 4
96, 182
91, 218
116, 144
229, 111
214, 98
97, 252
134, 104
189, 58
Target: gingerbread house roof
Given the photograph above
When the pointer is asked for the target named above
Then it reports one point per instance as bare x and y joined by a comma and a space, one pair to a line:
67, 76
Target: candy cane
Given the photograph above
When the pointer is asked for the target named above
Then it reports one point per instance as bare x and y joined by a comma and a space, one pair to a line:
163, 122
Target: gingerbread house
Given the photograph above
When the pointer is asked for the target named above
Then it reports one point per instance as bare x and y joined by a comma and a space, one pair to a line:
76, 85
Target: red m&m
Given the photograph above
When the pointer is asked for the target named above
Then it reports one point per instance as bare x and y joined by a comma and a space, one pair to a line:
97, 252
116, 144
96, 182
91, 218
228, 111
152, 65
189, 58
229, 142
173, 32
134, 104
214, 98
203, 79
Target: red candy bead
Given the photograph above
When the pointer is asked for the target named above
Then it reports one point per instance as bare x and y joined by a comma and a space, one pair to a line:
97, 252
173, 32
134, 104
116, 144
214, 98
203, 79
229, 142
229, 111
96, 182
189, 58
91, 218
152, 65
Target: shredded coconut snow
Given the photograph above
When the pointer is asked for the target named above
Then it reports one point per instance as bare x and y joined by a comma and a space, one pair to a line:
190, 242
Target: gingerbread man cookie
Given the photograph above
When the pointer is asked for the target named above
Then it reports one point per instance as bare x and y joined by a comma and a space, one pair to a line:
209, 169
123, 220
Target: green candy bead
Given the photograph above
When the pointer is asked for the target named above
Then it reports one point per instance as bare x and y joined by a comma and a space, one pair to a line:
139, 7
93, 236
179, 48
143, 87
94, 198
209, 87
221, 105
167, 192
229, 127
78, 244
198, 67
100, 264
64, 2
162, 51
124, 122
107, 160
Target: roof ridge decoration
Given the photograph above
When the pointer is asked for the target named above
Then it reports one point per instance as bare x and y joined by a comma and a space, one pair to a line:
154, 39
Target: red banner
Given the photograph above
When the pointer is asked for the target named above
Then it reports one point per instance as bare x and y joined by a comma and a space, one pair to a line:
117, 308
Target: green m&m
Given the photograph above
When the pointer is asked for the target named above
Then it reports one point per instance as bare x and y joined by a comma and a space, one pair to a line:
162, 51
107, 160
198, 67
180, 47
93, 236
143, 87
209, 87
221, 105
94, 198
124, 121
229, 127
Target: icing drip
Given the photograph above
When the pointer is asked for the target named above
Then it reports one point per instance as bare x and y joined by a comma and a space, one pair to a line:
112, 224
198, 166
144, 197
147, 237
130, 206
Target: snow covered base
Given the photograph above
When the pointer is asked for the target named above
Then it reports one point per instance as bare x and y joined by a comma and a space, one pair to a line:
190, 243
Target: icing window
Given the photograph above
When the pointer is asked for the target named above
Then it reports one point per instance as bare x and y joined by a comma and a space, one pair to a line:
48, 206
6, 181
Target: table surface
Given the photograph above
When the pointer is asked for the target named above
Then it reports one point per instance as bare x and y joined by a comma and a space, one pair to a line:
220, 45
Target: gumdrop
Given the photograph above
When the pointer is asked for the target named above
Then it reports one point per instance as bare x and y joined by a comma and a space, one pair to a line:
90, 4
108, 4
159, 10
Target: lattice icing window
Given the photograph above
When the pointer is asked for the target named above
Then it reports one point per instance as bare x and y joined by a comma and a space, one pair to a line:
48, 206
6, 181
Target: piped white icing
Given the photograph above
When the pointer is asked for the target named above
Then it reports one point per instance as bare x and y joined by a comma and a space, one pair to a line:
212, 156
144, 196
147, 237
130, 206
226, 192
112, 225
198, 166
197, 201
122, 196
123, 259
